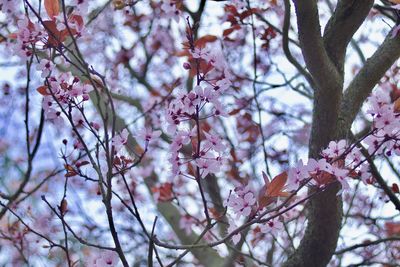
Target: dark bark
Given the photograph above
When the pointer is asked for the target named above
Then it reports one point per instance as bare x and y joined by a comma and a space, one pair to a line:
324, 59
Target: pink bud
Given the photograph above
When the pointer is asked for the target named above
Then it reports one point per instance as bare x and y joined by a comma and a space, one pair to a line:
186, 66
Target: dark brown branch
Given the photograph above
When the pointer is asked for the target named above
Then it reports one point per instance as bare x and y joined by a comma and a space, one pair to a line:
285, 45
317, 60
325, 209
366, 244
366, 79
346, 19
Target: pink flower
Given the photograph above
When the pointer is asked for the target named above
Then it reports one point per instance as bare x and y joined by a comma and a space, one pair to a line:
316, 167
296, 175
335, 149
46, 66
223, 85
207, 166
232, 227
106, 258
341, 175
203, 53
8, 6
147, 134
271, 227
365, 175
169, 7
208, 94
385, 119
213, 142
242, 201
191, 102
120, 140
81, 6
354, 157
81, 90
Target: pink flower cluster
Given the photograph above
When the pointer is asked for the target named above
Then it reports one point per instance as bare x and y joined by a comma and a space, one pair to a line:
386, 124
187, 110
27, 36
104, 259
242, 201
340, 161
63, 90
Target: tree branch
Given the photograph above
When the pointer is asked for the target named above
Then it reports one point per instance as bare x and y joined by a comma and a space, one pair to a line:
345, 21
366, 79
325, 209
317, 60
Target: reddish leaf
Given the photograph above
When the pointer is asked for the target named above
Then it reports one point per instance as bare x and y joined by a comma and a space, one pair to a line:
206, 127
248, 13
70, 171
43, 90
235, 111
70, 174
63, 206
163, 192
392, 228
183, 53
13, 36
191, 169
69, 167
274, 189
215, 214
273, 2
55, 36
76, 19
397, 105
139, 149
82, 163
52, 8
117, 161
202, 41
230, 30
395, 188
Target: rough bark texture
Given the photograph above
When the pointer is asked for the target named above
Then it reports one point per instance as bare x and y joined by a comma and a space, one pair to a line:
367, 78
346, 19
324, 57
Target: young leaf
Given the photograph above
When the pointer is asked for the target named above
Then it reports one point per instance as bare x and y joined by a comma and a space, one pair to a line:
202, 41
55, 36
43, 90
274, 189
52, 8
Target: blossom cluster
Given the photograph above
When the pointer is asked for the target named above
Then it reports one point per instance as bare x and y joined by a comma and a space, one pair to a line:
61, 91
187, 110
39, 35
340, 161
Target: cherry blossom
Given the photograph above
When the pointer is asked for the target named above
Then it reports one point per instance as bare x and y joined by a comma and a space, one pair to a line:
208, 165
213, 142
334, 149
170, 9
241, 201
236, 237
272, 226
105, 259
296, 175
148, 134
120, 140
8, 6
46, 66
340, 174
